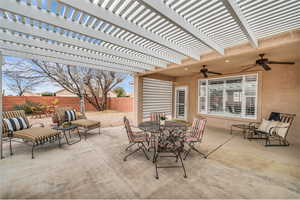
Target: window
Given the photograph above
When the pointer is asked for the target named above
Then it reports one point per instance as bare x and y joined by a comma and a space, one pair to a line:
234, 96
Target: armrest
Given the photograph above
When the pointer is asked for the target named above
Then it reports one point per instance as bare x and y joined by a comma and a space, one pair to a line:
37, 123
254, 124
273, 129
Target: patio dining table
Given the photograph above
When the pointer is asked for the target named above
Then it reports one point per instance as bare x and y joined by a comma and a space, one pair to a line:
156, 127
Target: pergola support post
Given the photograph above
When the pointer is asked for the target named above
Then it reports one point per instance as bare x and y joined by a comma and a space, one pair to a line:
82, 103
1, 121
138, 100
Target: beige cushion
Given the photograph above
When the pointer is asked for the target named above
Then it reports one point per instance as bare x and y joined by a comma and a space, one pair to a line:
282, 129
85, 123
35, 133
266, 125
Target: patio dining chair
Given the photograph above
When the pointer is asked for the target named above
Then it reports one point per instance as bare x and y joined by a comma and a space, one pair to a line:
135, 138
15, 126
61, 115
155, 116
276, 128
194, 136
169, 144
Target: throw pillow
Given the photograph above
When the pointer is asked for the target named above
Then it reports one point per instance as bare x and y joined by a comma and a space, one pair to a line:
16, 123
70, 115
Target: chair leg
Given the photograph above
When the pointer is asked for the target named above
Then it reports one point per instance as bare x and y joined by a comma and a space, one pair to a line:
59, 142
179, 155
125, 158
99, 130
10, 147
32, 151
187, 153
156, 168
130, 145
193, 148
144, 150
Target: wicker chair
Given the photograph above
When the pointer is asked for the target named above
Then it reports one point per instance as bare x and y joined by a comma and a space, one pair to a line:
195, 135
135, 138
35, 135
83, 124
274, 132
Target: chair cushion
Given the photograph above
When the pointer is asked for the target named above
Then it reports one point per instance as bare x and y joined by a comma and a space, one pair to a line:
85, 123
282, 129
35, 133
16, 123
70, 115
266, 125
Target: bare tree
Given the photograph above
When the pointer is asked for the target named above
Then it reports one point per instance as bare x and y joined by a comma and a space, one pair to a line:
95, 82
14, 73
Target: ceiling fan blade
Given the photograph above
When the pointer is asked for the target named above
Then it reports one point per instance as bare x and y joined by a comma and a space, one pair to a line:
265, 66
204, 74
248, 67
278, 62
214, 72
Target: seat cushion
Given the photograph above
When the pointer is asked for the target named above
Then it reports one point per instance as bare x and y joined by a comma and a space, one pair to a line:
85, 123
35, 133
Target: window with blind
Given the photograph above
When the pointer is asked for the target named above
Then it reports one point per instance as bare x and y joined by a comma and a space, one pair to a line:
234, 96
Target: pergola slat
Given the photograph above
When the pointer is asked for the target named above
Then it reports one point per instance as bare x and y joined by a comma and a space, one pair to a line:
163, 10
60, 48
238, 16
14, 53
48, 18
109, 17
23, 28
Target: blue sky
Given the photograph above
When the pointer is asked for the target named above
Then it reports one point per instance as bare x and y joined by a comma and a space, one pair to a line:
50, 87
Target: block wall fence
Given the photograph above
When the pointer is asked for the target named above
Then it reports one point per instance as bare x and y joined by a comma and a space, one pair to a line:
122, 104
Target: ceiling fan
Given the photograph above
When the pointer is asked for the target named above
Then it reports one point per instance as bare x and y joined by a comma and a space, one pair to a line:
205, 71
264, 63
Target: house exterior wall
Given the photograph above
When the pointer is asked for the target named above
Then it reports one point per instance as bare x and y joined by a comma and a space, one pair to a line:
279, 91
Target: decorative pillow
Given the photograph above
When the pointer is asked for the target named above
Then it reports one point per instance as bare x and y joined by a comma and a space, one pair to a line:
266, 125
70, 115
16, 123
282, 129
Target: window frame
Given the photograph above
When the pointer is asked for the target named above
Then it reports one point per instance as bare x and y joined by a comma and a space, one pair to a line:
224, 114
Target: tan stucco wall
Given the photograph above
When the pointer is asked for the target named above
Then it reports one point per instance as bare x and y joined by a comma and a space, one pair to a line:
280, 91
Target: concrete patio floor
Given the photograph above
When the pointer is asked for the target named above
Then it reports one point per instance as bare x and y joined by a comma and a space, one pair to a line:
95, 169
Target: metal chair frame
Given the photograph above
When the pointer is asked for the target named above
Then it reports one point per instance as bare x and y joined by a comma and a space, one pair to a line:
132, 142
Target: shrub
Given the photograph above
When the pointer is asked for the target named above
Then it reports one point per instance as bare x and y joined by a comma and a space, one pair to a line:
28, 107
47, 94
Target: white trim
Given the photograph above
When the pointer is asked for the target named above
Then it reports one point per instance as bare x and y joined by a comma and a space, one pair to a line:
186, 104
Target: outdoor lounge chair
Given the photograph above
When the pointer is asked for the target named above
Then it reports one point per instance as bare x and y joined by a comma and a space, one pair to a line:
277, 132
34, 135
135, 138
195, 135
83, 124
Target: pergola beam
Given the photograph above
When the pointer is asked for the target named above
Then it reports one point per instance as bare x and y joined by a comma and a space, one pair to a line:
105, 15
235, 11
162, 9
30, 30
66, 50
54, 20
14, 53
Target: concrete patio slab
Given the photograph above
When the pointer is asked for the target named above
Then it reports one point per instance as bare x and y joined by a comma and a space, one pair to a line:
95, 169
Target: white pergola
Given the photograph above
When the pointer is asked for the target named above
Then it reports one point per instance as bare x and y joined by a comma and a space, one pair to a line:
132, 36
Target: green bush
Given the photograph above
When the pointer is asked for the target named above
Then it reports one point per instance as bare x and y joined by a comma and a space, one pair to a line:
47, 94
28, 107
